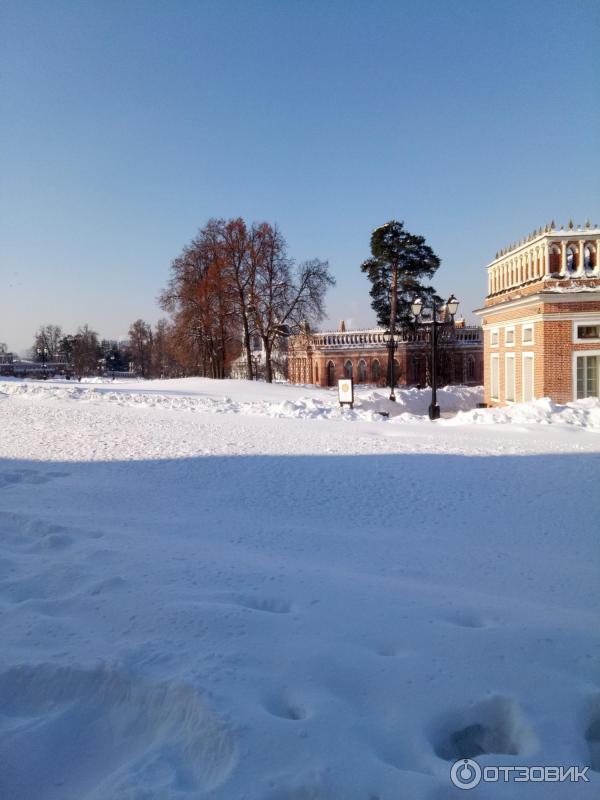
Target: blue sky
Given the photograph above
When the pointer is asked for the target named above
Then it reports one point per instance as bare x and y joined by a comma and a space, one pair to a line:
124, 126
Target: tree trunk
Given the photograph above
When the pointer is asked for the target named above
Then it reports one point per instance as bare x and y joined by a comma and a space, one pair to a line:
247, 346
394, 299
393, 310
268, 363
223, 347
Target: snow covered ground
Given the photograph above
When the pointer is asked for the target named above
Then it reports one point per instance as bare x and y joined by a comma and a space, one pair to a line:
228, 590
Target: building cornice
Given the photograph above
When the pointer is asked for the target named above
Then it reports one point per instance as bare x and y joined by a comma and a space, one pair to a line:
583, 295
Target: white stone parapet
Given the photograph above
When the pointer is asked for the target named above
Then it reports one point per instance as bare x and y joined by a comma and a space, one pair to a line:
560, 253
375, 338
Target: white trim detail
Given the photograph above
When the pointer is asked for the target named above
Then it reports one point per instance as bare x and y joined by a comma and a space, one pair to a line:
580, 354
586, 294
495, 363
528, 357
528, 327
589, 322
508, 358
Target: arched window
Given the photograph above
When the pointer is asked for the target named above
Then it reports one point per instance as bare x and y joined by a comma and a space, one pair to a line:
588, 257
470, 368
330, 373
375, 371
362, 371
554, 258
348, 369
571, 259
316, 373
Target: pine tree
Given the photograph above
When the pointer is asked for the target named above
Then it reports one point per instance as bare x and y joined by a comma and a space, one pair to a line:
399, 263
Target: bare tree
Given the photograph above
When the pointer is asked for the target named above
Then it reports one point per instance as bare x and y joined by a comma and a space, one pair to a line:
159, 364
236, 245
140, 345
284, 297
201, 298
85, 351
234, 279
46, 345
165, 361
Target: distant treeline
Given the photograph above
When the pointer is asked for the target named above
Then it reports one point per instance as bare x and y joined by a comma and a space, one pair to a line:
232, 283
148, 351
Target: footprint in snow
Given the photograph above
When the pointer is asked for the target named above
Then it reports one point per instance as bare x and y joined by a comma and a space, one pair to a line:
496, 725
13, 477
285, 706
98, 729
25, 534
270, 605
466, 619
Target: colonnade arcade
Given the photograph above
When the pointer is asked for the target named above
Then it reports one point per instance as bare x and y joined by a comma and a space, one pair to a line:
575, 255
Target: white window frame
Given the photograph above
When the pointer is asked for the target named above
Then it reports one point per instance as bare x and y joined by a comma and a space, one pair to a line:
510, 357
585, 323
496, 332
528, 327
506, 330
527, 356
576, 355
494, 358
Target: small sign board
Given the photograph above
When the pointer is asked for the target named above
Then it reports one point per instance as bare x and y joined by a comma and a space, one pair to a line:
346, 391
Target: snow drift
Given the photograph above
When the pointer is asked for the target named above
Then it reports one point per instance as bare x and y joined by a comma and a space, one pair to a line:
372, 405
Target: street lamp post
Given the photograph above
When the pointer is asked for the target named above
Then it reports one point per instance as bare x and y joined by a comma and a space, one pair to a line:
391, 346
416, 308
43, 354
112, 365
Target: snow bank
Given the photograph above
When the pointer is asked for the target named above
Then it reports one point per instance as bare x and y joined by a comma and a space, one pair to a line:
306, 402
371, 405
581, 414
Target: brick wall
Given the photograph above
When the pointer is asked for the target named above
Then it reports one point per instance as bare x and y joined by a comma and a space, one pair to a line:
310, 366
553, 347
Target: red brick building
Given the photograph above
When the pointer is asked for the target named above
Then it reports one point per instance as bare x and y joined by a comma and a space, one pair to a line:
541, 318
323, 358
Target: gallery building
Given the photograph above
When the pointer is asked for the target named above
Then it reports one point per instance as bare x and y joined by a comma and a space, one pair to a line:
541, 318
324, 357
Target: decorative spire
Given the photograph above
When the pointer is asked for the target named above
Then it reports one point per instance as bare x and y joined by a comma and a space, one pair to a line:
552, 225
571, 226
